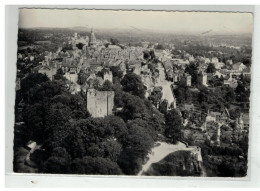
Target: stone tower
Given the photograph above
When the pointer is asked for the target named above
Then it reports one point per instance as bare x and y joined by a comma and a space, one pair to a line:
100, 103
92, 39
202, 78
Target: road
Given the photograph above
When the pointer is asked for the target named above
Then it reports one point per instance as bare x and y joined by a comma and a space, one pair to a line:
166, 85
159, 152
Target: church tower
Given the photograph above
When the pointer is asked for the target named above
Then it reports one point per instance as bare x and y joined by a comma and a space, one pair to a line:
92, 39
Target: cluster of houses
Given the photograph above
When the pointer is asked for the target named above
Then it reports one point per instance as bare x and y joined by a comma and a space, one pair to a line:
175, 70
95, 56
91, 58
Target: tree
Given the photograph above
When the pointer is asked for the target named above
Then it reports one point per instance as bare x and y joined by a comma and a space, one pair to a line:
133, 107
112, 149
235, 113
173, 125
94, 165
156, 96
31, 81
159, 47
107, 86
230, 95
242, 93
211, 68
146, 55
135, 150
133, 84
116, 71
80, 45
58, 162
115, 127
75, 141
56, 165
144, 124
96, 84
114, 41
46, 90
59, 75
152, 54
34, 118
163, 107
82, 77
192, 69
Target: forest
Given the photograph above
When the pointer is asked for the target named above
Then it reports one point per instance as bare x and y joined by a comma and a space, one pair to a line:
70, 138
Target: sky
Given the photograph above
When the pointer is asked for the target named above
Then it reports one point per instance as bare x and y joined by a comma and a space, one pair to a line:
143, 20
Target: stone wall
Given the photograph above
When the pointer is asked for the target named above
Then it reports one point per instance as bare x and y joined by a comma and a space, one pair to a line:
100, 103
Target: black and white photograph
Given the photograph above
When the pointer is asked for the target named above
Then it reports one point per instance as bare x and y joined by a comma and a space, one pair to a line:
133, 93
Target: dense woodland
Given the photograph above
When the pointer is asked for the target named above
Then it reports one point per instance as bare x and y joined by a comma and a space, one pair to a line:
70, 137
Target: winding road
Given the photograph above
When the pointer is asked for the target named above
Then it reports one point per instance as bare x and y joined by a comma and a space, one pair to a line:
159, 152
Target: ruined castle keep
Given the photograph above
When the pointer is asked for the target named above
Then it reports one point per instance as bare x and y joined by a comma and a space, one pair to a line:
100, 103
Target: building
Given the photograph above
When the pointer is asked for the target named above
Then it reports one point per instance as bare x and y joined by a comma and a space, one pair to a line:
100, 103
186, 80
49, 71
214, 60
202, 78
219, 65
230, 62
217, 116
108, 76
231, 82
240, 123
92, 39
75, 35
239, 66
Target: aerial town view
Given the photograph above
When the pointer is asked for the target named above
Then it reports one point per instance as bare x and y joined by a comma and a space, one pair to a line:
127, 96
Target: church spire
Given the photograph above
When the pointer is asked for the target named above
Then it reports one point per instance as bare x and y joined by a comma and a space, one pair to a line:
92, 39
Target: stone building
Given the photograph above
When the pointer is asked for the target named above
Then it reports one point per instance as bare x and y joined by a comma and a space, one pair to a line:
92, 39
202, 78
186, 80
108, 76
100, 103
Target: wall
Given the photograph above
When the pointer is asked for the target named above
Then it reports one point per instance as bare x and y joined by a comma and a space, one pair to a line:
100, 103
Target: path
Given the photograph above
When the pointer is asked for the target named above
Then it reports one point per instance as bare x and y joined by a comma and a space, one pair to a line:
159, 152
166, 85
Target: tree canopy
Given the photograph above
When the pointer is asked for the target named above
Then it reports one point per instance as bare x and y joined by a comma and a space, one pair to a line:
133, 84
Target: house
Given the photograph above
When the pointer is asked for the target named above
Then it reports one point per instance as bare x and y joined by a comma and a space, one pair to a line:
73, 70
49, 71
229, 62
188, 107
213, 116
31, 58
245, 118
214, 60
219, 65
239, 66
231, 82
217, 116
202, 78
108, 76
114, 46
218, 74
186, 80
